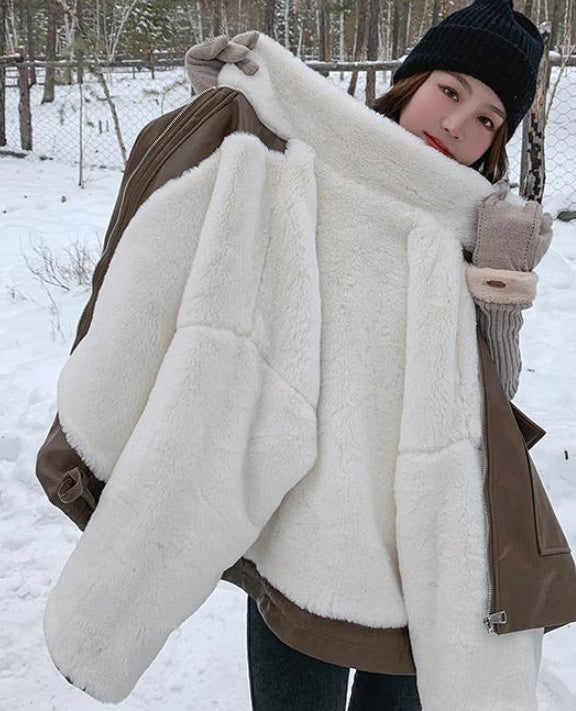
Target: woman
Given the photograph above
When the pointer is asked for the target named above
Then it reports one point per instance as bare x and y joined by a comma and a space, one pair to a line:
462, 115
290, 329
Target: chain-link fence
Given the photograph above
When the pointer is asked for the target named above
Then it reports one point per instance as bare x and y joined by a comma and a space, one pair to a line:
560, 138
78, 125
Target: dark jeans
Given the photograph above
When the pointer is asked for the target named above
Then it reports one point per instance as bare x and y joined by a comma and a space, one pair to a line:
283, 679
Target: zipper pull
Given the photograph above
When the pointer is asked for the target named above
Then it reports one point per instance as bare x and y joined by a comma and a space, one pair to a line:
496, 618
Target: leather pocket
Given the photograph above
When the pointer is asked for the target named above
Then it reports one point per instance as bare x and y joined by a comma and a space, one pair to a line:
549, 535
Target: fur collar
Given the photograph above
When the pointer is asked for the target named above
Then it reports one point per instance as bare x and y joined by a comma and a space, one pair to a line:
295, 101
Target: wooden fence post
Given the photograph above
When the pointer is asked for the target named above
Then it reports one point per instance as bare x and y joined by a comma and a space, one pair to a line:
533, 164
24, 113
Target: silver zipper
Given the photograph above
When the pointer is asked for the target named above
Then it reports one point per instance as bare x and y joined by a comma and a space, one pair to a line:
496, 618
135, 171
492, 619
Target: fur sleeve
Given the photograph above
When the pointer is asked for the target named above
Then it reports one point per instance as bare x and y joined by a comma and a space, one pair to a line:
204, 393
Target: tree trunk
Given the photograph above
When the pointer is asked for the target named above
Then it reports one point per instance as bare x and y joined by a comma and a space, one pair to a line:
533, 169
372, 50
287, 24
341, 41
217, 18
269, 19
300, 25
396, 29
89, 41
386, 31
3, 11
359, 41
26, 34
30, 40
50, 76
435, 12
405, 27
24, 113
323, 31
555, 33
224, 19
110, 101
80, 42
69, 54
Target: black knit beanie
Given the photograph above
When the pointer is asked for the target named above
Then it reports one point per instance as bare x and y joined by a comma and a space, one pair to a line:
489, 41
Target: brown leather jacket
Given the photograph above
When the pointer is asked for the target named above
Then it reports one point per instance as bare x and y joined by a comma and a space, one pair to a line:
533, 577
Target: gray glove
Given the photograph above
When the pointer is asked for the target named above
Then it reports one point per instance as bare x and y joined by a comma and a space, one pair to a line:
513, 237
204, 61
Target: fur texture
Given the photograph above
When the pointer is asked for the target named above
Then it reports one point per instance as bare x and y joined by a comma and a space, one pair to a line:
285, 347
502, 286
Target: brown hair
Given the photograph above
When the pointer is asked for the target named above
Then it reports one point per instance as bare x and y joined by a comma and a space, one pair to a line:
493, 165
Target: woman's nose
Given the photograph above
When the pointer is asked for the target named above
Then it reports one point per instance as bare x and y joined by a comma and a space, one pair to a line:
453, 124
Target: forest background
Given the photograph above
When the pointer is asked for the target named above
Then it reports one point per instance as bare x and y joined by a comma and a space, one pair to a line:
51, 44
51, 234
312, 29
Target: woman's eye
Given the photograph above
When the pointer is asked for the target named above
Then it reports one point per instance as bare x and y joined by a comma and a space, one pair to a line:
450, 93
485, 121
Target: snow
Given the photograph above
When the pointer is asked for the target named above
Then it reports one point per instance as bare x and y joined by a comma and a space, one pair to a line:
138, 100
203, 664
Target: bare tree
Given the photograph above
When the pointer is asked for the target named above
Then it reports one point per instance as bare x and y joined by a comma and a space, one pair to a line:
51, 37
386, 30
286, 13
372, 49
557, 13
217, 18
24, 112
89, 42
27, 30
570, 22
270, 17
533, 173
324, 53
566, 50
121, 13
80, 43
404, 38
396, 29
359, 40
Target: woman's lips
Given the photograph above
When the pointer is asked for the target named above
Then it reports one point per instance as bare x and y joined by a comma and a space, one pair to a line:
438, 145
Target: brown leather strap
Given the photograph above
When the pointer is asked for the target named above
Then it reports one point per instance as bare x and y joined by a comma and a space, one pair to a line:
73, 488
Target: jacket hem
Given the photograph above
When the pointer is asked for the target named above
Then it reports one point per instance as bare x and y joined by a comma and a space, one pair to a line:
346, 644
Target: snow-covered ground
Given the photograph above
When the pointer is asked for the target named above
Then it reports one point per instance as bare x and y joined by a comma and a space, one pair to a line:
55, 126
203, 664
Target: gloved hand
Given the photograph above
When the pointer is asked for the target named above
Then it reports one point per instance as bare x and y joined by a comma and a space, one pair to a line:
512, 237
204, 61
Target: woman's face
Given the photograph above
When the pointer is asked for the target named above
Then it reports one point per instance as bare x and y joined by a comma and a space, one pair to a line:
456, 114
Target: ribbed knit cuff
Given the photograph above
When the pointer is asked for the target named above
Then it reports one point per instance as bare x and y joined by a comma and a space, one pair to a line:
500, 325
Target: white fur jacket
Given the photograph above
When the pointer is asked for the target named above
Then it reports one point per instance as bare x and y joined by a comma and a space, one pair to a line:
282, 365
